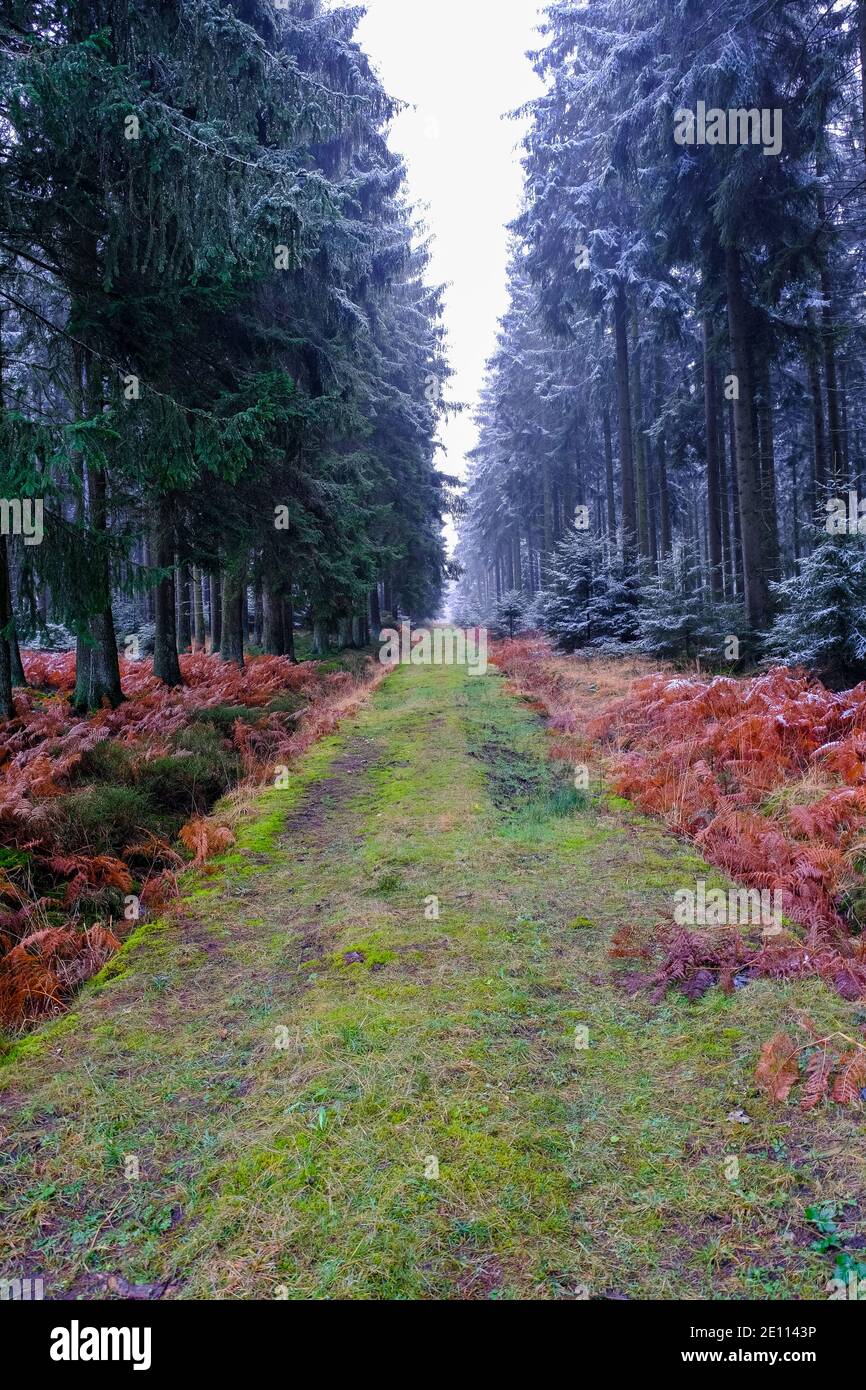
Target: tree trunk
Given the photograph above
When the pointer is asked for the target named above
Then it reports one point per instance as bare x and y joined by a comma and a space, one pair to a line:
273, 637
258, 614
795, 509
198, 609
547, 517
147, 562
7, 708
8, 636
737, 570
320, 637
97, 668
861, 25
757, 595
640, 451
183, 607
234, 602
375, 612
7, 619
662, 460
19, 678
714, 490
838, 451
166, 666
216, 611
819, 433
289, 628
769, 511
626, 452
724, 508
610, 488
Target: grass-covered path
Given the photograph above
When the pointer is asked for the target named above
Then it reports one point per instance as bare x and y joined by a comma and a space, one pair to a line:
328, 1090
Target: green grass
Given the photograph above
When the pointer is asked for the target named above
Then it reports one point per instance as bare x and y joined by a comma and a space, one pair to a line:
421, 1122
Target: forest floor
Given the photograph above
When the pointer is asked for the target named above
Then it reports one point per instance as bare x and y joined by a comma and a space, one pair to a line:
327, 1094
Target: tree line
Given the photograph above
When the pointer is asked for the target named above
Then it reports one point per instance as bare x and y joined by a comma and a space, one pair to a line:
221, 359
681, 365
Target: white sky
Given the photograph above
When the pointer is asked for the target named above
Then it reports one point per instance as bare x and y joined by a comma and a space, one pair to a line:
461, 64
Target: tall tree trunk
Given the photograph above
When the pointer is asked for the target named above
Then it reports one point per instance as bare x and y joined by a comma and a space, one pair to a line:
572, 477
508, 557
819, 433
724, 507
640, 452
258, 614
19, 677
547, 515
757, 595
662, 462
273, 637
147, 562
838, 461
289, 628
850, 469
97, 667
795, 509
216, 611
8, 635
321, 640
198, 609
838, 451
7, 708
861, 26
737, 570
234, 602
375, 612
184, 631
626, 451
166, 666
714, 489
532, 586
769, 511
610, 489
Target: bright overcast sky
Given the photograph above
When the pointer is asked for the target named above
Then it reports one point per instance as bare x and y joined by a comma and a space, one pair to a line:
461, 64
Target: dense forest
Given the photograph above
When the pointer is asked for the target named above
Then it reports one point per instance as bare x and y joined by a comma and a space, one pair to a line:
221, 363
673, 419
341, 961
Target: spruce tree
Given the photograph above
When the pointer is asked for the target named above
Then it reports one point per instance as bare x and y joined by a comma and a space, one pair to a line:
822, 618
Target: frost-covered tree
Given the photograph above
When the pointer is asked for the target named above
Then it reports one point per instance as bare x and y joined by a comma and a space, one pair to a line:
590, 598
822, 618
684, 351
674, 612
510, 612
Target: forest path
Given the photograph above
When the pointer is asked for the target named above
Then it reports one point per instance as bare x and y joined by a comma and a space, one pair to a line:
329, 1092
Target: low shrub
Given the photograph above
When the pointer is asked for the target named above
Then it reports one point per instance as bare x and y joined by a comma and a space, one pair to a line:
185, 783
102, 819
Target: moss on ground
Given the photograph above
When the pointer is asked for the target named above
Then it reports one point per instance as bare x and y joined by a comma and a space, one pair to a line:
421, 1119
